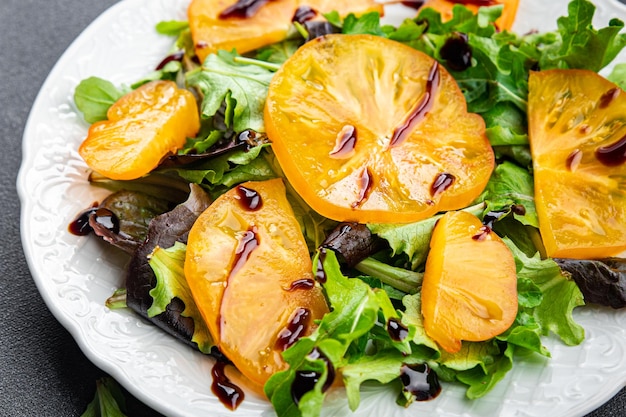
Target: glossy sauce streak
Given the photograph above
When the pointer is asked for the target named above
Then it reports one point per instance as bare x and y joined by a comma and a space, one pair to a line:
80, 225
612, 155
305, 380
416, 4
228, 393
420, 381
344, 143
365, 184
176, 56
107, 219
608, 97
242, 9
397, 331
302, 284
457, 53
249, 199
442, 183
247, 244
482, 234
418, 113
320, 274
294, 330
303, 14
573, 160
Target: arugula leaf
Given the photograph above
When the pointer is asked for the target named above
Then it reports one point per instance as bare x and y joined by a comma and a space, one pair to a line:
167, 265
93, 97
355, 311
220, 77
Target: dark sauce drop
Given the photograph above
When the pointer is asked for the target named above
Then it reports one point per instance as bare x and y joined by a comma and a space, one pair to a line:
176, 56
242, 9
107, 219
345, 143
397, 331
80, 225
320, 274
302, 284
305, 380
228, 393
294, 330
317, 28
365, 184
518, 209
420, 110
457, 53
303, 14
249, 198
573, 160
247, 244
442, 183
482, 234
420, 381
612, 155
416, 4
608, 97
490, 218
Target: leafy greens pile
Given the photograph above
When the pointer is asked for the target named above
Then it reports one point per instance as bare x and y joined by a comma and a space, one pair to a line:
385, 286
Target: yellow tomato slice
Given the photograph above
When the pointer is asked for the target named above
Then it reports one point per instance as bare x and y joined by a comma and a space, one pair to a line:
577, 129
142, 127
469, 290
505, 21
250, 273
268, 24
369, 130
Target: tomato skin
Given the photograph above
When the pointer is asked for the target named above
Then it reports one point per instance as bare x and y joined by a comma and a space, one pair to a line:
244, 265
142, 127
316, 94
580, 199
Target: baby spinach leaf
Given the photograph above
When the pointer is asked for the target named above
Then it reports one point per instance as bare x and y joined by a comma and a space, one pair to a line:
93, 97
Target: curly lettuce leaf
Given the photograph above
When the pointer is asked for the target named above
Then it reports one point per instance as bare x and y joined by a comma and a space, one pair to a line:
560, 296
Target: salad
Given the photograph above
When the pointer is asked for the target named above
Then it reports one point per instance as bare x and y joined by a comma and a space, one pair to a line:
374, 329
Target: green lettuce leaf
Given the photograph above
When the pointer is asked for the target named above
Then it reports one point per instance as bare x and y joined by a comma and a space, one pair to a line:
93, 97
618, 75
560, 296
168, 267
220, 77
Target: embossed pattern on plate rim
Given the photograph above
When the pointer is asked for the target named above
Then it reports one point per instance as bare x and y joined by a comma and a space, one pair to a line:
75, 275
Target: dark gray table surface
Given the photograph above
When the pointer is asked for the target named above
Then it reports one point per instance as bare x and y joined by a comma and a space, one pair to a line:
42, 370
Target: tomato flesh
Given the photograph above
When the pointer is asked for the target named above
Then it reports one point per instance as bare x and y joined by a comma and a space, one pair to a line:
391, 142
142, 127
250, 273
469, 290
577, 130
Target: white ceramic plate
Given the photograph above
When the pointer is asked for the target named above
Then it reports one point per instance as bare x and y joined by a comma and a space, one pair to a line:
75, 275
